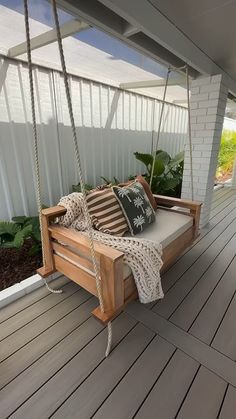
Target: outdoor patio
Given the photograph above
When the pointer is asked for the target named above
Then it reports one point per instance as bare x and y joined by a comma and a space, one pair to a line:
173, 359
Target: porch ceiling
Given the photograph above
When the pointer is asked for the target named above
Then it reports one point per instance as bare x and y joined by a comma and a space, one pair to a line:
199, 33
210, 24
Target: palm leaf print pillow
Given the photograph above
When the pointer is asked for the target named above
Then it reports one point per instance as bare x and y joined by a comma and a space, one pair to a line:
136, 206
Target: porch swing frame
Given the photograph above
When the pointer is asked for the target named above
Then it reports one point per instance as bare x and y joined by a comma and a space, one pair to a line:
69, 252
116, 291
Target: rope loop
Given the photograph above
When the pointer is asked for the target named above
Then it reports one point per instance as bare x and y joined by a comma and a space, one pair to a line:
80, 172
35, 136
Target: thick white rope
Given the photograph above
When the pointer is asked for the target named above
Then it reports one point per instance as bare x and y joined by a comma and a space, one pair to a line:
159, 127
190, 133
189, 127
79, 167
35, 136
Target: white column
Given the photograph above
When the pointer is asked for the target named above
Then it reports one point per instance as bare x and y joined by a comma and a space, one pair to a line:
233, 186
208, 102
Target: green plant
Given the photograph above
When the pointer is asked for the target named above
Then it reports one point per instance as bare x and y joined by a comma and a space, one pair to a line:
227, 153
112, 182
77, 188
167, 174
14, 233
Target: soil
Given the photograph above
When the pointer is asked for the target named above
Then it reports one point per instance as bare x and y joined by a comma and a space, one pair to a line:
17, 264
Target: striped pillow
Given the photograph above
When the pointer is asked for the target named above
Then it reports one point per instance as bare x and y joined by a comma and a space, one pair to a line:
106, 212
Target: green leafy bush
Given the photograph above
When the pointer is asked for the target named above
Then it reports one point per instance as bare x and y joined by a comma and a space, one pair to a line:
77, 188
227, 154
14, 233
168, 172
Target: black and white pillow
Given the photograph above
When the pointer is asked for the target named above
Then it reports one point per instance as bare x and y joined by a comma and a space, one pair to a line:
136, 206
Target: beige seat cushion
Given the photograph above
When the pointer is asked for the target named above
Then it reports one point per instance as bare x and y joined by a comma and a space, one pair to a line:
167, 227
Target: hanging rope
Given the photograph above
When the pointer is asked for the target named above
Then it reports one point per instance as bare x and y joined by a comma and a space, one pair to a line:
159, 127
189, 127
35, 137
79, 167
190, 133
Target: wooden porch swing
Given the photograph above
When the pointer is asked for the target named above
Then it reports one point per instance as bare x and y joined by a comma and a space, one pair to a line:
94, 266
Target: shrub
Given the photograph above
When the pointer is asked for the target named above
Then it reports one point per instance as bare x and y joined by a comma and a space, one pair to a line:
227, 153
14, 233
168, 172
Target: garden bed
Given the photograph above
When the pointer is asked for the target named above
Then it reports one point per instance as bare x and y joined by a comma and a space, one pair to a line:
18, 264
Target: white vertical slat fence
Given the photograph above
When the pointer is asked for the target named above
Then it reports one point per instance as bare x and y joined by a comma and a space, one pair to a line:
112, 124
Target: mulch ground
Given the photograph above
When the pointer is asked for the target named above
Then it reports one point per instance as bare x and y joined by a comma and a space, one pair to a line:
17, 264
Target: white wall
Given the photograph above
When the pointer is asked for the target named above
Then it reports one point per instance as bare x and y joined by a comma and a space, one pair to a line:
230, 124
112, 125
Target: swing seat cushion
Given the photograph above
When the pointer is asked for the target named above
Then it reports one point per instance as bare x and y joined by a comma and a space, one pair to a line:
167, 227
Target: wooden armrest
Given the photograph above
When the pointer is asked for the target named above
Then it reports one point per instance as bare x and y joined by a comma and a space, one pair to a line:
56, 211
184, 203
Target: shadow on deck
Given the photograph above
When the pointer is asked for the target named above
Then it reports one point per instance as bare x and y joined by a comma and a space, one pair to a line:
172, 359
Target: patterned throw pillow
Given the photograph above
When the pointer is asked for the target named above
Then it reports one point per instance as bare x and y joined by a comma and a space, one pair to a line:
106, 212
145, 186
148, 191
136, 206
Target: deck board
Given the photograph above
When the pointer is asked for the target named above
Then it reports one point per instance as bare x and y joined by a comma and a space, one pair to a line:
22, 303
187, 281
33, 329
47, 340
138, 381
228, 408
171, 359
37, 309
168, 393
208, 320
205, 396
193, 303
67, 379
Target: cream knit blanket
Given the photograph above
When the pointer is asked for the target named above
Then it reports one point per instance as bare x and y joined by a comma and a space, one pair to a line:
142, 256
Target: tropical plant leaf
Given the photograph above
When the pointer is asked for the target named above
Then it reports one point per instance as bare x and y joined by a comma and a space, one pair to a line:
159, 167
163, 156
21, 219
77, 188
146, 159
8, 228
36, 228
107, 181
171, 183
22, 235
116, 181
179, 158
8, 244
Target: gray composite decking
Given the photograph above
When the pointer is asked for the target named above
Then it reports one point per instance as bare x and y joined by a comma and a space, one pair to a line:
171, 359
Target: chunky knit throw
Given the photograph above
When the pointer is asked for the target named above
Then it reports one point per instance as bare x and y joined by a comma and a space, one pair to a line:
141, 255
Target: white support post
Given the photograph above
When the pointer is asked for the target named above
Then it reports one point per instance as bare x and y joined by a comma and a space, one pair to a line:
208, 102
233, 185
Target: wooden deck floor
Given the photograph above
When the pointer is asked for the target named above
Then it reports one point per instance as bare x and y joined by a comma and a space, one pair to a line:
172, 359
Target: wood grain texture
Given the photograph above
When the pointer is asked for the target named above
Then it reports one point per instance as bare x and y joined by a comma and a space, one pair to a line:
28, 300
204, 397
229, 405
35, 327
67, 379
168, 393
46, 341
138, 381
